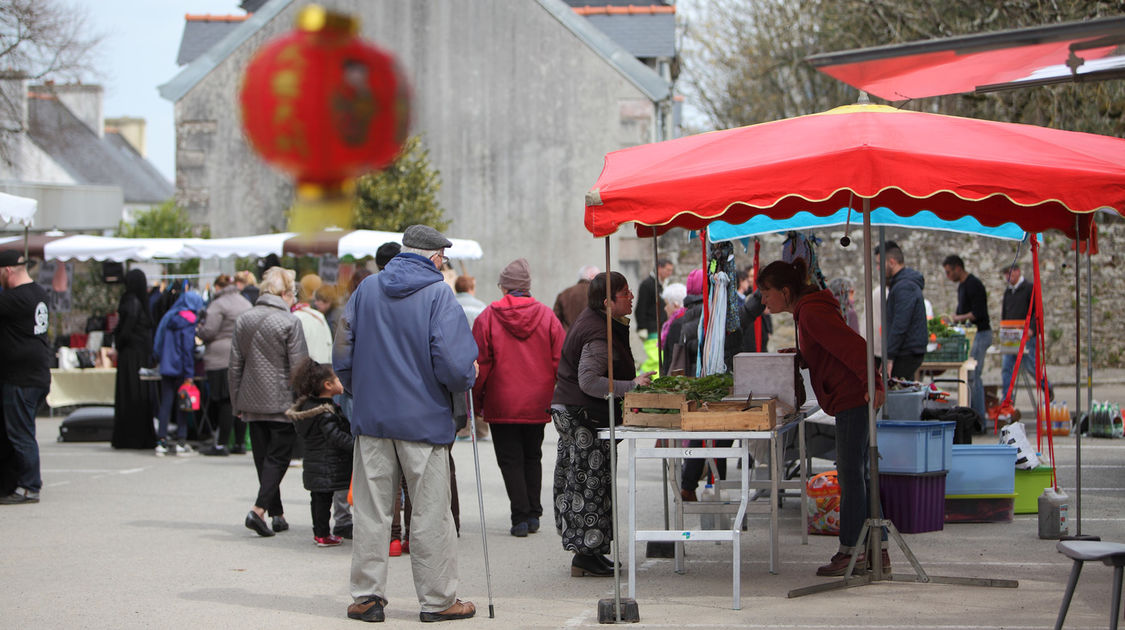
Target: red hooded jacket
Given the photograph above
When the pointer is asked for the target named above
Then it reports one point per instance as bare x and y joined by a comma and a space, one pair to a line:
834, 353
520, 342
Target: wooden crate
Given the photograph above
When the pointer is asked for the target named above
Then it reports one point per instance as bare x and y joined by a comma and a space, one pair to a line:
635, 401
762, 415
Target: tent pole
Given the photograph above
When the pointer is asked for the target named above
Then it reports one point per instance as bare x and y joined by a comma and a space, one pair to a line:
1077, 377
882, 302
874, 541
656, 305
612, 433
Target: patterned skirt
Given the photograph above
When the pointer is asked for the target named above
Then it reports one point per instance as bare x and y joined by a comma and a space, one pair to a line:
583, 506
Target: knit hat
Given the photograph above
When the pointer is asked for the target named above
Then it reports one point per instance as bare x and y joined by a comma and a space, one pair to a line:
695, 282
516, 276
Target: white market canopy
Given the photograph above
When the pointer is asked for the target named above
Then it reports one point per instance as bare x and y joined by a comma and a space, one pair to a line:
357, 243
15, 209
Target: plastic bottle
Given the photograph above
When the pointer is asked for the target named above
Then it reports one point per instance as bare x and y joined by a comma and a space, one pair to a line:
1053, 521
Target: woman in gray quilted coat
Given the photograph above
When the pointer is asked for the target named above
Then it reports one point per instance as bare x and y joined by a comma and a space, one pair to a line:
267, 345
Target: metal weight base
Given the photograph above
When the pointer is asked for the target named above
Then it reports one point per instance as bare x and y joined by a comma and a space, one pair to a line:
920, 575
607, 611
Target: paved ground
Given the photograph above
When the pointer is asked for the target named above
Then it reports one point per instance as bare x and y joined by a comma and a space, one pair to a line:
127, 540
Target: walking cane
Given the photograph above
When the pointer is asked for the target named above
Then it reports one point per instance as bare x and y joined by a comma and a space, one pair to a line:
480, 503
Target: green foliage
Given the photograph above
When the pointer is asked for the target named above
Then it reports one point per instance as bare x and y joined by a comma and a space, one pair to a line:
709, 388
167, 220
403, 194
744, 59
90, 294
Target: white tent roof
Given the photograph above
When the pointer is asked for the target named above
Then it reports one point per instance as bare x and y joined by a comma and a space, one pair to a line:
86, 247
15, 209
362, 243
258, 245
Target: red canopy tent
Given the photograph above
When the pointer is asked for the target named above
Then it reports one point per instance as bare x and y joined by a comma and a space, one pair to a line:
1035, 177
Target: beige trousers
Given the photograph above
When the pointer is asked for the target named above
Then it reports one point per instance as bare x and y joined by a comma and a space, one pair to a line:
377, 465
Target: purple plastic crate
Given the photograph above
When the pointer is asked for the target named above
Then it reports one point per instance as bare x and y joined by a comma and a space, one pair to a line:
914, 503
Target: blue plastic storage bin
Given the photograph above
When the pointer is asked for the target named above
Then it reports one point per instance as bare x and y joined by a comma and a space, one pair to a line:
915, 446
982, 469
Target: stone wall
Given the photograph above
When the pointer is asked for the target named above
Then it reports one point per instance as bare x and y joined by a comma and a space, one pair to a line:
984, 257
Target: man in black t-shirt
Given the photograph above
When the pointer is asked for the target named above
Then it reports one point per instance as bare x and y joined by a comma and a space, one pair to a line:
25, 371
972, 306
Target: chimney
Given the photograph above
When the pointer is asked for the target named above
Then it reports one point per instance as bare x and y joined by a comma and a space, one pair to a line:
84, 101
130, 128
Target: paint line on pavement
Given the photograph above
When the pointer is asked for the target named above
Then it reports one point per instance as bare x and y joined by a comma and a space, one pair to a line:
55, 484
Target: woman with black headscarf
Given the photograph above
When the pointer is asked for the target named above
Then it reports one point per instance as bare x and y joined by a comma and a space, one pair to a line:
134, 399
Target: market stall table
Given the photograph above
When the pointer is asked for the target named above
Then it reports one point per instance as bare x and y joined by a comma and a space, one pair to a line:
963, 368
88, 386
775, 485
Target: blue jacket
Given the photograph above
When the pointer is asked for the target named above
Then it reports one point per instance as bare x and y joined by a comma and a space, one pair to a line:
402, 346
906, 314
174, 343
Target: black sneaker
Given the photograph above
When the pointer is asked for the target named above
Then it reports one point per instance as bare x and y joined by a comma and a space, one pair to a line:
20, 497
215, 451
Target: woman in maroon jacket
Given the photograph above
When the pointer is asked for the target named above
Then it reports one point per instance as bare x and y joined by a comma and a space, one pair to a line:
520, 341
835, 356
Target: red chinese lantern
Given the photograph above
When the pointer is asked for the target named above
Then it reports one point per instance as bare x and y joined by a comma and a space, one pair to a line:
325, 106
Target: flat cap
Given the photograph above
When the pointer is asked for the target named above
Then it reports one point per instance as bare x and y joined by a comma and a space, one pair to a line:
424, 237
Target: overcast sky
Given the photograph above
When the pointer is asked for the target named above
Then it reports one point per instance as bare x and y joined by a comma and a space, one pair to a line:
138, 53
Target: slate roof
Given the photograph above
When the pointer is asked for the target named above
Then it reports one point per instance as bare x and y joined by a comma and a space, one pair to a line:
645, 36
636, 72
201, 32
108, 161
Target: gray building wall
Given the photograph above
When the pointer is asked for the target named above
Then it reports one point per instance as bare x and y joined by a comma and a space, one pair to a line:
517, 113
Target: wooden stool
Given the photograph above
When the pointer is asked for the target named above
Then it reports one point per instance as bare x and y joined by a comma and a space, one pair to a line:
1111, 554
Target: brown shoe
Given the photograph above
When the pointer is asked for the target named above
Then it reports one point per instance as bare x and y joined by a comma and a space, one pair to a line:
839, 563
688, 495
459, 610
370, 609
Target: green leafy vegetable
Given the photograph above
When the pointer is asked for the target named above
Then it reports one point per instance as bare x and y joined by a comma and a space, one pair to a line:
710, 388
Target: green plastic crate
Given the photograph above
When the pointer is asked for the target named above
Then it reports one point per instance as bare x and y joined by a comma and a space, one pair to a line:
955, 348
1029, 485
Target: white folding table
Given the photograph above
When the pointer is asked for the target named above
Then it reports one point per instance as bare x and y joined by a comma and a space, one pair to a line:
741, 450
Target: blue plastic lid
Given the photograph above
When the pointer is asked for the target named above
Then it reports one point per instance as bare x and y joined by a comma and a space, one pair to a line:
914, 424
984, 448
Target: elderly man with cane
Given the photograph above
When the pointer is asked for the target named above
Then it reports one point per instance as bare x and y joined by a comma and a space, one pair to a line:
403, 347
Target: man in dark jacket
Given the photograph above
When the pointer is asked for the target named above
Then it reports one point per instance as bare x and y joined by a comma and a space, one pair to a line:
1015, 306
906, 316
404, 346
571, 301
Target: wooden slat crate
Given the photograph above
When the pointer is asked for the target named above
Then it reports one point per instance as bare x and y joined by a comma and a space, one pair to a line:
635, 401
763, 414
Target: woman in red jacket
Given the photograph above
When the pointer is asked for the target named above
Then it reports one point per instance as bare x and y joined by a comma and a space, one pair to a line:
520, 341
835, 356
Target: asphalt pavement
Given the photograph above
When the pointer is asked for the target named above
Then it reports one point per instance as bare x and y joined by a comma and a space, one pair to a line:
123, 539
